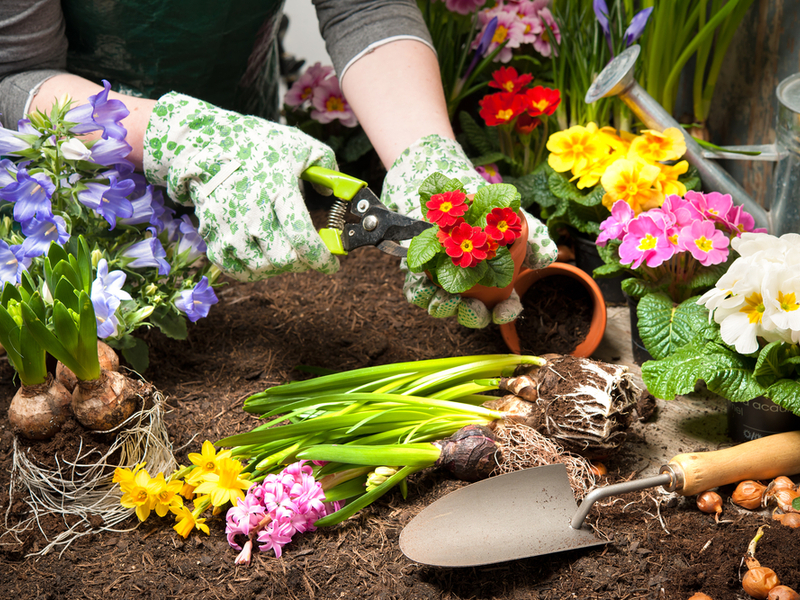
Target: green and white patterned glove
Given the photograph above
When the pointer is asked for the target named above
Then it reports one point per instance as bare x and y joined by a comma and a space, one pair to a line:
241, 173
435, 154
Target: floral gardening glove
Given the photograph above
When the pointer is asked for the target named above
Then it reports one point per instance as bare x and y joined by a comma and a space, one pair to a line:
241, 174
435, 154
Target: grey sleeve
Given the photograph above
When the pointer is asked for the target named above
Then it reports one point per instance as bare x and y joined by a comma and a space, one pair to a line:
351, 27
33, 48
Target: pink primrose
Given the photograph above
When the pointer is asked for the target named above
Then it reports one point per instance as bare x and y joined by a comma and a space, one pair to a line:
682, 212
647, 241
329, 104
705, 242
613, 228
490, 173
302, 90
543, 43
509, 27
464, 7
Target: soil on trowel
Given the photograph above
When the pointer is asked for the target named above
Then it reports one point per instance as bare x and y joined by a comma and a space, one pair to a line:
659, 545
557, 313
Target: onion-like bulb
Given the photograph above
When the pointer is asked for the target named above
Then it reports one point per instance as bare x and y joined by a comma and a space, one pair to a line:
710, 502
749, 494
783, 498
781, 483
782, 592
700, 596
789, 519
758, 582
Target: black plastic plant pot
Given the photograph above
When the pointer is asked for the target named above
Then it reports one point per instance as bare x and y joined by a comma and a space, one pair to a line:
587, 259
758, 418
640, 353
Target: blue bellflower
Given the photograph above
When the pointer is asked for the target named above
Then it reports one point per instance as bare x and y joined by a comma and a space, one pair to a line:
106, 295
31, 196
197, 302
100, 113
147, 253
12, 263
190, 245
111, 151
10, 144
105, 313
149, 208
41, 232
8, 172
109, 201
110, 283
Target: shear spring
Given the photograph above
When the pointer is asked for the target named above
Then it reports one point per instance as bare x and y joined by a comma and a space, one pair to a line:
337, 214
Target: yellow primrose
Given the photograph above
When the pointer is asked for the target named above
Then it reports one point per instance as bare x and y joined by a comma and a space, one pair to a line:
631, 181
226, 484
140, 494
654, 146
186, 521
591, 174
574, 148
667, 181
205, 462
619, 141
167, 495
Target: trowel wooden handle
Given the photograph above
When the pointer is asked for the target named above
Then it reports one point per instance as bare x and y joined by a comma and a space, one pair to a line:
764, 458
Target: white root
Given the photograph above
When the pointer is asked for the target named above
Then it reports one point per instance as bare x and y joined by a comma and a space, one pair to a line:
82, 487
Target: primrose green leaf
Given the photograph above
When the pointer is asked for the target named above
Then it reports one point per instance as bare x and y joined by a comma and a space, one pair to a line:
356, 147
636, 288
563, 188
497, 195
171, 324
786, 393
436, 184
768, 364
534, 189
500, 270
423, 248
664, 327
455, 279
487, 159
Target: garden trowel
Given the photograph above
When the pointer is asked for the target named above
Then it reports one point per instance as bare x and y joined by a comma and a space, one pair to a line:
533, 512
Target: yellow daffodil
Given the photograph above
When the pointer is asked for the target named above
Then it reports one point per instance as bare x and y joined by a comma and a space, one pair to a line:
126, 475
205, 462
186, 521
667, 181
140, 493
631, 181
226, 484
187, 490
574, 148
654, 146
167, 494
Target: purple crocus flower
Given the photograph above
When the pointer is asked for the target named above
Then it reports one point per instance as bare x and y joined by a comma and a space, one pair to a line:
100, 113
147, 253
483, 45
601, 12
31, 196
12, 262
109, 201
197, 302
190, 245
149, 208
40, 233
638, 23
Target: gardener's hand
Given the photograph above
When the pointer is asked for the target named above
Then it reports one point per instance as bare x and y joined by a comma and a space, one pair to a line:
242, 176
435, 154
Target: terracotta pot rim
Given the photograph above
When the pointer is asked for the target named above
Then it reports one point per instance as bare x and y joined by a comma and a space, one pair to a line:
597, 328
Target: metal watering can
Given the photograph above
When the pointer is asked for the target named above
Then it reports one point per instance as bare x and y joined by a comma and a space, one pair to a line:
784, 199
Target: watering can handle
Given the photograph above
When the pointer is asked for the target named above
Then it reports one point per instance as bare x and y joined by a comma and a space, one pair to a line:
764, 152
764, 458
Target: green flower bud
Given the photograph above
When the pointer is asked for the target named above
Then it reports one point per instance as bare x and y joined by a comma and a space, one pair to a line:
379, 476
151, 289
15, 311
97, 254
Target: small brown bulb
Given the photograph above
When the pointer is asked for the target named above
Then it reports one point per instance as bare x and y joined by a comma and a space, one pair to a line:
782, 592
758, 582
748, 494
781, 483
789, 519
710, 502
701, 596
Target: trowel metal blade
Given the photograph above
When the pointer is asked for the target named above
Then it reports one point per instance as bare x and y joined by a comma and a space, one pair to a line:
516, 515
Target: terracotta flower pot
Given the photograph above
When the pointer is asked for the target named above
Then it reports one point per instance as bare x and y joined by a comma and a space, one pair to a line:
492, 296
598, 325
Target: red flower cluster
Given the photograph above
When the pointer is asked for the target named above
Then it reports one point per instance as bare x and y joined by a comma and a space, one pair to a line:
517, 103
466, 244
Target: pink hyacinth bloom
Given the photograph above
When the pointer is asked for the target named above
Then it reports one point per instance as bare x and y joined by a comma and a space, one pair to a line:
613, 228
464, 7
647, 241
509, 28
705, 242
277, 534
543, 43
329, 104
490, 173
302, 90
243, 518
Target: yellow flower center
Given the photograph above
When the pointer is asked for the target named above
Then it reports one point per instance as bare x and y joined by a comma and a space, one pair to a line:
334, 104
705, 244
500, 34
648, 242
632, 189
540, 105
491, 171
788, 302
509, 86
307, 91
505, 115
673, 239
446, 207
754, 308
467, 246
502, 226
141, 496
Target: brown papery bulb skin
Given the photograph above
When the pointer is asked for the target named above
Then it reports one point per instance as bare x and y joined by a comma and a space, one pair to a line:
701, 596
749, 494
758, 582
781, 483
789, 519
710, 502
783, 498
782, 592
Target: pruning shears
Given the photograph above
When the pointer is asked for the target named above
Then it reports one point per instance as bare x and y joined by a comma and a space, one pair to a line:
377, 226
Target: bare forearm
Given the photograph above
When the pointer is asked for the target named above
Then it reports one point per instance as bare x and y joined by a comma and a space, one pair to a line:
79, 89
396, 93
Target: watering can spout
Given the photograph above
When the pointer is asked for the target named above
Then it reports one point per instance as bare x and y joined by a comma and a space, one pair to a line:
617, 80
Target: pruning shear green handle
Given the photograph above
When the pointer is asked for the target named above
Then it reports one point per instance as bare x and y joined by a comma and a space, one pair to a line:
378, 225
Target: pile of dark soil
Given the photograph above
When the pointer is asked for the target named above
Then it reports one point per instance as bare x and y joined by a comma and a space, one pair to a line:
659, 547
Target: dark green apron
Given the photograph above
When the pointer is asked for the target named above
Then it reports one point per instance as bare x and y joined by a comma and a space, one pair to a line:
222, 51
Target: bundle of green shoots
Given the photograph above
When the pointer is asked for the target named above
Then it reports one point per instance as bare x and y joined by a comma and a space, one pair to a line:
371, 428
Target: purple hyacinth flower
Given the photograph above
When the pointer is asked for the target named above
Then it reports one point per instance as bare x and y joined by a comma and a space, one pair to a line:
636, 28
100, 113
31, 196
147, 253
190, 244
10, 144
41, 232
109, 201
12, 262
149, 208
197, 302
